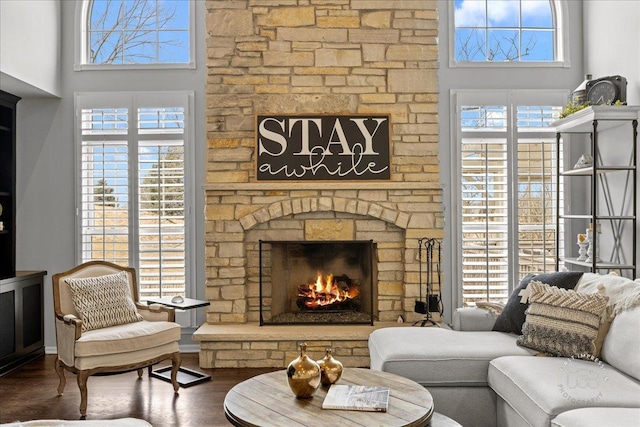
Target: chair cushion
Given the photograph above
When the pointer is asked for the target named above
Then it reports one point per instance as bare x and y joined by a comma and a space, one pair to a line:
562, 322
127, 337
512, 316
439, 357
540, 388
103, 301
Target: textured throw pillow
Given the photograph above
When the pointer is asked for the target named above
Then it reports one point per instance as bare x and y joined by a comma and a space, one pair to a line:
103, 301
512, 316
562, 322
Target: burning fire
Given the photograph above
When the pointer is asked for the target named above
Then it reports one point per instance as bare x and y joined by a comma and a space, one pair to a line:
326, 293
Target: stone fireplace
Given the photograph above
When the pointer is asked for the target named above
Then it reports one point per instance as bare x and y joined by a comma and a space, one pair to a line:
317, 283
328, 57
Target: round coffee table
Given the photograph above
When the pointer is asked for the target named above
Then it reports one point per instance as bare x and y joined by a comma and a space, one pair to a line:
266, 400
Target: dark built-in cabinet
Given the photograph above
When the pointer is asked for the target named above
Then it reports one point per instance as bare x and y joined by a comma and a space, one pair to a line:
21, 319
7, 184
21, 292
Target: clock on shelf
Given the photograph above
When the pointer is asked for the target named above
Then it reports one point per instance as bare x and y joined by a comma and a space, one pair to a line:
606, 90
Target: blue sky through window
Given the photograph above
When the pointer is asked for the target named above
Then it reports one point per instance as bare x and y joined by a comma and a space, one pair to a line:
504, 30
139, 32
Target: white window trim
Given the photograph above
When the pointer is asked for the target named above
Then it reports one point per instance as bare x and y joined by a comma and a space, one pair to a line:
559, 9
119, 99
486, 97
80, 45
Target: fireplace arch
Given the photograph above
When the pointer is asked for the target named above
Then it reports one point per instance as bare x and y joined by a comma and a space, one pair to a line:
323, 204
239, 215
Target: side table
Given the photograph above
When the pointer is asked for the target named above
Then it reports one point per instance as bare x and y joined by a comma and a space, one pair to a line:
186, 377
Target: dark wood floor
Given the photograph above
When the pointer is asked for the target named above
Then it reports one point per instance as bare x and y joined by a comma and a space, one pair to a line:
30, 392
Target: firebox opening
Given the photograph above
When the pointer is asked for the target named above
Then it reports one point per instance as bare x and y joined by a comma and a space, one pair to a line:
327, 282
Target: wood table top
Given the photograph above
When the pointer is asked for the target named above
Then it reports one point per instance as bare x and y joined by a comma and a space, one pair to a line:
266, 400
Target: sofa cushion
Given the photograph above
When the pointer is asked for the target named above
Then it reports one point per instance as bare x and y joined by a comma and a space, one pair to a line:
623, 292
621, 346
598, 417
512, 316
126, 338
562, 322
474, 319
103, 301
540, 388
439, 357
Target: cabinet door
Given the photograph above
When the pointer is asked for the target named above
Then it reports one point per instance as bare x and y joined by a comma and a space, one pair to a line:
32, 316
8, 323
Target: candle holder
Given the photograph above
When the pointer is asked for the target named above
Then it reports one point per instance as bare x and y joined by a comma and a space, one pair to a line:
592, 248
583, 245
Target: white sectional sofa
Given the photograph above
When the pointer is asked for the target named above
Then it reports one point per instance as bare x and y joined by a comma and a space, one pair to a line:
481, 377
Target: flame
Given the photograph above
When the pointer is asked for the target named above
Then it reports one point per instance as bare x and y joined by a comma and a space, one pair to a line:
325, 292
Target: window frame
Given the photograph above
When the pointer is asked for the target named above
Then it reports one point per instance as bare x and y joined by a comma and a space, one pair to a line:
81, 43
560, 17
134, 101
512, 99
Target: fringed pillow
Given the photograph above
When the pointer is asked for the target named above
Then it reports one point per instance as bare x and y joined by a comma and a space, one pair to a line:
562, 322
103, 301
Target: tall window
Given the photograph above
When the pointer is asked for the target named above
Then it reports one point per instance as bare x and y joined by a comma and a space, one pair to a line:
505, 31
133, 185
136, 33
506, 155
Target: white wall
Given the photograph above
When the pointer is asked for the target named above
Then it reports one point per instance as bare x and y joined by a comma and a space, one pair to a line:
45, 159
30, 47
612, 47
612, 40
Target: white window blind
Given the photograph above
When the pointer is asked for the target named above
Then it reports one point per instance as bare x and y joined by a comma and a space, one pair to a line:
484, 205
133, 207
105, 185
506, 156
161, 226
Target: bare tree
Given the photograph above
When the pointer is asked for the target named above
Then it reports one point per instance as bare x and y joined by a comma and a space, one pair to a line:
502, 48
126, 30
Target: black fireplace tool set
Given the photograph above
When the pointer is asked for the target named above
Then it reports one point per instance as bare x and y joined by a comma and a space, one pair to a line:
432, 302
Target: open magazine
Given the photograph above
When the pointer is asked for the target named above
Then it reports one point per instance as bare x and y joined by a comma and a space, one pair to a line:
357, 398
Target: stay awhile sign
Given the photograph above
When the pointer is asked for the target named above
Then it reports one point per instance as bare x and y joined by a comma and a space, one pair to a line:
323, 147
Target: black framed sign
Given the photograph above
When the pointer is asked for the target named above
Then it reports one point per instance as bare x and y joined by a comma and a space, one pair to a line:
323, 147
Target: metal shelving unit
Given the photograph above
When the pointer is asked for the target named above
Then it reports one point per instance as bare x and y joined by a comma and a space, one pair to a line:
591, 122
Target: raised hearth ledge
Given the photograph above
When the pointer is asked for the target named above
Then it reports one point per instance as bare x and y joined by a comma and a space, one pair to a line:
249, 345
322, 185
254, 332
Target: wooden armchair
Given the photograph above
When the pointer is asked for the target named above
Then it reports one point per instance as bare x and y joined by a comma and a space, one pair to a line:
101, 327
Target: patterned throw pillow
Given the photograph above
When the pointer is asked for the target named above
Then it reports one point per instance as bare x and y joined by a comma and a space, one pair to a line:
103, 301
562, 322
512, 316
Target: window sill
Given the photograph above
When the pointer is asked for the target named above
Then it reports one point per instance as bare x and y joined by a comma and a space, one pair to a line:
509, 64
114, 67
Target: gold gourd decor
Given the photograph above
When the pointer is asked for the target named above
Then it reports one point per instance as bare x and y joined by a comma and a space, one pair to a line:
303, 375
331, 369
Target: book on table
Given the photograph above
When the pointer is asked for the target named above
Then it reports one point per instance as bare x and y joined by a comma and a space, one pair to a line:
357, 398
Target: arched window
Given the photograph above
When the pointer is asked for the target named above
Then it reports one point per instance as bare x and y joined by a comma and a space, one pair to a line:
135, 34
507, 31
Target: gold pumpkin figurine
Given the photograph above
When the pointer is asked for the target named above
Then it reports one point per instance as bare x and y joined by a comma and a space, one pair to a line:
303, 375
331, 369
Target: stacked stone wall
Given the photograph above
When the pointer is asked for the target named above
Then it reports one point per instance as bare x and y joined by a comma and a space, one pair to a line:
319, 57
